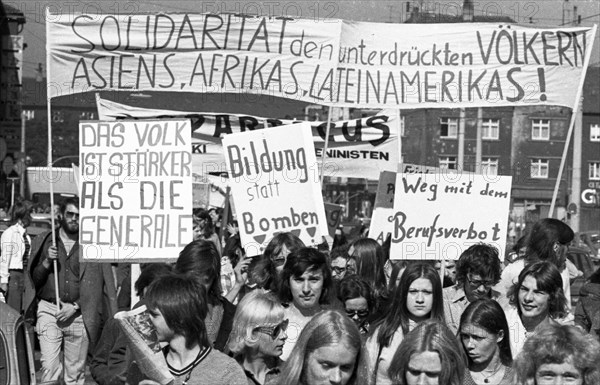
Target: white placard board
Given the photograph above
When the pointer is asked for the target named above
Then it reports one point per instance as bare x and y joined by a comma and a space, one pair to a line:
275, 185
438, 216
136, 190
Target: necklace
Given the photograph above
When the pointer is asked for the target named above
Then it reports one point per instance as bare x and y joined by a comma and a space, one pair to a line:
486, 379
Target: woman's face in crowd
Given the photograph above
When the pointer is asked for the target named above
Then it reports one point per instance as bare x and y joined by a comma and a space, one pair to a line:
424, 369
533, 302
280, 258
357, 309
163, 331
331, 364
271, 344
307, 289
419, 299
480, 345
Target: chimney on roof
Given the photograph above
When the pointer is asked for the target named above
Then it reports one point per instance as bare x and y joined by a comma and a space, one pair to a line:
468, 11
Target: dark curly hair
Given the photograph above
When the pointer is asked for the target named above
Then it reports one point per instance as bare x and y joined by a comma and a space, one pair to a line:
481, 259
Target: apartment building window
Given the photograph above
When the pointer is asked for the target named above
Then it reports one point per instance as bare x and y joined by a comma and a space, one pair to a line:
539, 168
489, 166
58, 117
594, 171
449, 127
595, 133
490, 129
448, 162
87, 115
540, 129
29, 114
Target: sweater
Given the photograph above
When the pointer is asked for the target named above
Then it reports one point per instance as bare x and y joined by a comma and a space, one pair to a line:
216, 369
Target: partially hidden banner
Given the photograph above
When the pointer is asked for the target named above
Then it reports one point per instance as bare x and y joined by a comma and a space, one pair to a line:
438, 216
275, 185
359, 148
136, 190
325, 61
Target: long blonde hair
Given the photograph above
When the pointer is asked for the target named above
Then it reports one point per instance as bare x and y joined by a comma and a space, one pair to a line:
328, 327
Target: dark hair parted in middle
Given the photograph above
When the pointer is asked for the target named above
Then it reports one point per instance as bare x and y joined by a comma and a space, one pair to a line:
488, 315
183, 304
297, 263
397, 314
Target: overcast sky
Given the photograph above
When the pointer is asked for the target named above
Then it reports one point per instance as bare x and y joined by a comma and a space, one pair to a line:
541, 12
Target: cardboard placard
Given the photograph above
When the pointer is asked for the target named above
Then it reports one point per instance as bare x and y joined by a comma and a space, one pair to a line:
136, 190
275, 185
438, 216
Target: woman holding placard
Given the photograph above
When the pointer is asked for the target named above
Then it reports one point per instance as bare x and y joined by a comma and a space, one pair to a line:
417, 298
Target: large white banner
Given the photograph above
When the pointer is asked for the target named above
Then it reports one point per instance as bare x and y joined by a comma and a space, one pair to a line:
438, 216
275, 185
190, 53
135, 191
327, 61
360, 148
460, 65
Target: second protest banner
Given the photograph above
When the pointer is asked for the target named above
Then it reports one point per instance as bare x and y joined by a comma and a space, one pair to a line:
275, 185
438, 216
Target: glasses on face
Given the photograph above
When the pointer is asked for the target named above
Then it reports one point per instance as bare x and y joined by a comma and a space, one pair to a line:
338, 270
71, 215
279, 261
479, 282
360, 313
274, 331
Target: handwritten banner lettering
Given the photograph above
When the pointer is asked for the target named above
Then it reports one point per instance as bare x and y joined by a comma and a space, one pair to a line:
438, 216
329, 61
136, 190
275, 185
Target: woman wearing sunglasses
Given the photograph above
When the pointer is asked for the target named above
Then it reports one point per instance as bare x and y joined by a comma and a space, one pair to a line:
327, 352
258, 336
355, 294
280, 247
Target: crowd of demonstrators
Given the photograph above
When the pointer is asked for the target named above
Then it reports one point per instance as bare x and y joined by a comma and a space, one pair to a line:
301, 315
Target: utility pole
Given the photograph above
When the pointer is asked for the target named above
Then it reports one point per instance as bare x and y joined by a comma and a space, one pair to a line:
575, 197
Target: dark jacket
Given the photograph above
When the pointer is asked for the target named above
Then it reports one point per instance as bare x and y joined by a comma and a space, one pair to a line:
91, 281
587, 313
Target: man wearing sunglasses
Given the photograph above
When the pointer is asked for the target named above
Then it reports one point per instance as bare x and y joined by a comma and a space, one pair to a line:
477, 270
71, 327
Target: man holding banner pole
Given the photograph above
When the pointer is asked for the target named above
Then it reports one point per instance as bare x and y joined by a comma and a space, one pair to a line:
72, 326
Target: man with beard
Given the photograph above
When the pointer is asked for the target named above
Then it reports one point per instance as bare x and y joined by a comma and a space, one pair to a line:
477, 270
74, 325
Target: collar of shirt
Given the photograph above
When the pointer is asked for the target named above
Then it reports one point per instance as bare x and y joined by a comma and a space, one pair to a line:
270, 372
